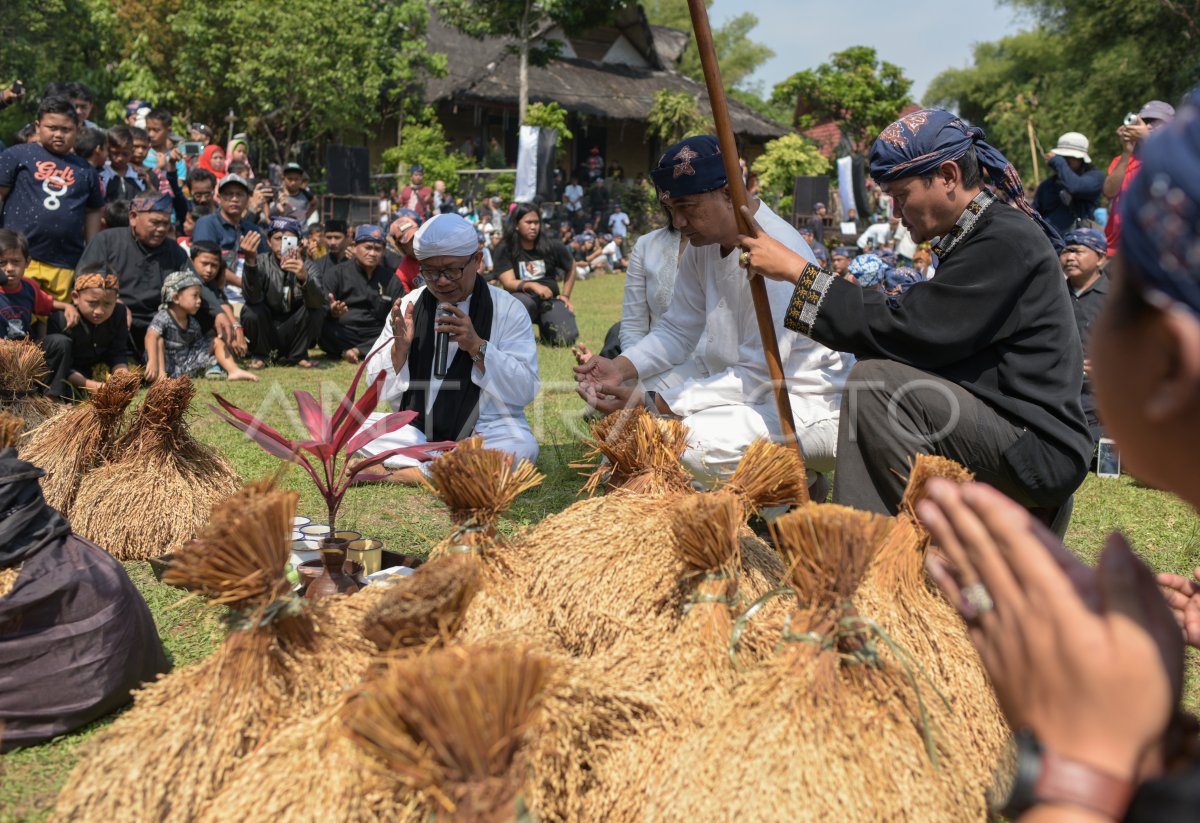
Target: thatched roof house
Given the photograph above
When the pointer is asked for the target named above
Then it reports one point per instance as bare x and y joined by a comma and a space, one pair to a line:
606, 78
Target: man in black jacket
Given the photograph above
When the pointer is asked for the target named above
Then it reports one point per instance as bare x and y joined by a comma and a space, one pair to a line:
361, 292
982, 364
141, 256
283, 300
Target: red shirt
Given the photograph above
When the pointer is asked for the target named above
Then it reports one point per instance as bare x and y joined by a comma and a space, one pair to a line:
20, 302
1112, 229
407, 271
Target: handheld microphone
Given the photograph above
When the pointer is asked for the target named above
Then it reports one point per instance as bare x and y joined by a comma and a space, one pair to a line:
441, 346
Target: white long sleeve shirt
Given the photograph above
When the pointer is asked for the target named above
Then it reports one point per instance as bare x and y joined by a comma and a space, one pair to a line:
712, 310
508, 383
649, 284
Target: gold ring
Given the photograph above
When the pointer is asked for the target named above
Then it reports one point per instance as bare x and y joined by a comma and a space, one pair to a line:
744, 260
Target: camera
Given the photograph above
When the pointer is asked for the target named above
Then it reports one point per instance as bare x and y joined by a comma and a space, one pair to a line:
1131, 119
191, 149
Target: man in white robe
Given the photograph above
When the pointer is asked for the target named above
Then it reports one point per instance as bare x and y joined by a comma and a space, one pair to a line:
492, 355
723, 395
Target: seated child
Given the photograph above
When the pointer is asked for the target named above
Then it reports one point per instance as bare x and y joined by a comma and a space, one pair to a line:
99, 342
175, 343
209, 266
22, 301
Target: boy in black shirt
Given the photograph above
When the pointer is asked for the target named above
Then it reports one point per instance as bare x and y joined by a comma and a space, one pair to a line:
99, 341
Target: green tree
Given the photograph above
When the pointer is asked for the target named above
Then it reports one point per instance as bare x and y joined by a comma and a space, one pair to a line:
526, 23
1080, 68
338, 66
549, 116
674, 116
426, 143
46, 41
783, 160
738, 55
855, 89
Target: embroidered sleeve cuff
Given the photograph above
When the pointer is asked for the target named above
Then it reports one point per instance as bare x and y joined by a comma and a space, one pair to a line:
807, 299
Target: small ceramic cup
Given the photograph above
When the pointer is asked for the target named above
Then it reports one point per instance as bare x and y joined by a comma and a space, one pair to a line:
368, 552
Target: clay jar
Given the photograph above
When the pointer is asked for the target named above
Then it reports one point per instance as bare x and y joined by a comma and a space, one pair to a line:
333, 579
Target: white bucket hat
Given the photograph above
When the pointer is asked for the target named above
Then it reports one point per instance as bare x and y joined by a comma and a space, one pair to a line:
1073, 144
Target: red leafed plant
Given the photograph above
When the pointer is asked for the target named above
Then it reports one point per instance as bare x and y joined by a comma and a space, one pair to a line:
332, 438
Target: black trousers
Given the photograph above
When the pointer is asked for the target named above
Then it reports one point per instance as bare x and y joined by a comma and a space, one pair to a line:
334, 338
57, 350
556, 323
892, 412
285, 338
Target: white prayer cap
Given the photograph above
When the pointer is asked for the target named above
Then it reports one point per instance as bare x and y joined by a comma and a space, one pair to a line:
445, 235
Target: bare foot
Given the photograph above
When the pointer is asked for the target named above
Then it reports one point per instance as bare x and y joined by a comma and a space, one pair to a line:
306, 364
351, 356
242, 374
409, 476
256, 364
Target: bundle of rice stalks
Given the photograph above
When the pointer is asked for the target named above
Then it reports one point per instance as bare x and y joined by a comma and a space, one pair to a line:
898, 595
478, 484
431, 737
640, 453
688, 670
173, 751
161, 484
78, 440
770, 475
427, 608
844, 724
22, 372
608, 565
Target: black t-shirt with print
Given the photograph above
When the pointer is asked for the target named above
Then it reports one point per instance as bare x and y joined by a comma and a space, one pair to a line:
48, 201
533, 266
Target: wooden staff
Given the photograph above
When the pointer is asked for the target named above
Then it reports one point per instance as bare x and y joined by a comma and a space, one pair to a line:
737, 188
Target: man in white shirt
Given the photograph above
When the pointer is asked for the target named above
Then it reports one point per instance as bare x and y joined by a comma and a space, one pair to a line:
492, 364
723, 395
618, 222
876, 236
573, 200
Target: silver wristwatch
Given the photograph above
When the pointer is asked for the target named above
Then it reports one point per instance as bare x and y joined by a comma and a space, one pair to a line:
482, 352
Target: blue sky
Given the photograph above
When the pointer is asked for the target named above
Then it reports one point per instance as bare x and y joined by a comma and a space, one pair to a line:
804, 34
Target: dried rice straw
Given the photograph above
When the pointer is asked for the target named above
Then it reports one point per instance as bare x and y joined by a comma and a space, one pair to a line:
478, 485
11, 427
640, 453
161, 484
608, 566
432, 737
173, 751
22, 375
833, 728
898, 595
770, 475
78, 440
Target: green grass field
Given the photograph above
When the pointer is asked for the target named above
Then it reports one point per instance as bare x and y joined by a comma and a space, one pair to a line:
1164, 530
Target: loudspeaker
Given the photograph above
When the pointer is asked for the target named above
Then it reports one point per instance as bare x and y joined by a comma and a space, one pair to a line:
349, 170
352, 209
810, 190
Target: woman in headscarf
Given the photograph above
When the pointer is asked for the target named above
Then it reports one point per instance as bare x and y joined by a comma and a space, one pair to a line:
239, 152
212, 159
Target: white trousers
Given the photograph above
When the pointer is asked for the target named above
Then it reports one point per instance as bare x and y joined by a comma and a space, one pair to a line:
504, 435
721, 435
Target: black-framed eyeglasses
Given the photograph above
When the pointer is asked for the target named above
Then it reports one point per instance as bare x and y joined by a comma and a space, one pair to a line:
451, 274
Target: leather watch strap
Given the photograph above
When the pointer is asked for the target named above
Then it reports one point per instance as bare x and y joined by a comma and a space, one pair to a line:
1077, 784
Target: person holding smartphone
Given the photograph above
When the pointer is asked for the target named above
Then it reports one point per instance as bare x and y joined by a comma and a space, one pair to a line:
284, 304
1124, 167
